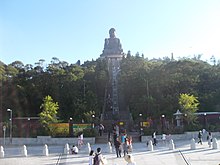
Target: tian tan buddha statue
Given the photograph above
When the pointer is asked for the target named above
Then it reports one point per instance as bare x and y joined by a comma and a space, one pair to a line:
112, 44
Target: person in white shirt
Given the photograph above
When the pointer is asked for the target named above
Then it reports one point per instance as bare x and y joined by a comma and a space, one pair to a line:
129, 158
75, 149
80, 140
91, 157
164, 138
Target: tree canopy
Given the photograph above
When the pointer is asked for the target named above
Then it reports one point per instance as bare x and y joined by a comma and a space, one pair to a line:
150, 87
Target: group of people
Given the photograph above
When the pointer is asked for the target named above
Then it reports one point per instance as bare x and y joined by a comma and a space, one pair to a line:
209, 137
98, 158
122, 143
75, 148
164, 137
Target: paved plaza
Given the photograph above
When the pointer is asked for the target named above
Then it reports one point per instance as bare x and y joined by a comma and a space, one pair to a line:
161, 155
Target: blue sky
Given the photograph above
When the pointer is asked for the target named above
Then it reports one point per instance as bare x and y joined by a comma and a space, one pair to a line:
73, 30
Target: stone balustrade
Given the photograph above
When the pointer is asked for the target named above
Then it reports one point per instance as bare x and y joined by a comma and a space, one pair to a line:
185, 136
41, 140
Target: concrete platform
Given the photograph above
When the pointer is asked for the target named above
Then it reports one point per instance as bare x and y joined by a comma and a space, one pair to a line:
182, 155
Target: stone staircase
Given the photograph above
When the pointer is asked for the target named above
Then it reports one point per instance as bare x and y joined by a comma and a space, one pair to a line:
114, 109
104, 138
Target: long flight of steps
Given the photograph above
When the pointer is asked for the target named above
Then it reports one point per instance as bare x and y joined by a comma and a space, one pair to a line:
104, 138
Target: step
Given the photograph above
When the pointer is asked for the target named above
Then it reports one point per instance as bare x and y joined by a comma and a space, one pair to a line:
101, 139
104, 139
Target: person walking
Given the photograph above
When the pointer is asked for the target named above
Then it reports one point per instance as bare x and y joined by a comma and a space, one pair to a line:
209, 138
101, 129
154, 138
91, 157
117, 130
125, 146
200, 137
80, 140
129, 142
118, 147
98, 158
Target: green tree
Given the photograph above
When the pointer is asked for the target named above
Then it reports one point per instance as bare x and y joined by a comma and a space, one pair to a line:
48, 114
189, 105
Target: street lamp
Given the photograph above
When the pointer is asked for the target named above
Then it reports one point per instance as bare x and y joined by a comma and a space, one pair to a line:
4, 129
9, 110
140, 115
93, 119
29, 126
163, 117
71, 127
185, 120
204, 120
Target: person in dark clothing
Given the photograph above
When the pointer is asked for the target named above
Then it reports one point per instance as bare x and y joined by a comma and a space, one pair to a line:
209, 138
154, 138
125, 147
118, 147
101, 129
114, 137
200, 137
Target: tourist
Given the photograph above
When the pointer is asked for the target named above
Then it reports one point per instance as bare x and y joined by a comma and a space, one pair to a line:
163, 138
123, 138
114, 137
91, 157
125, 147
118, 147
129, 158
117, 130
209, 138
98, 158
154, 138
129, 142
200, 137
75, 149
101, 129
80, 140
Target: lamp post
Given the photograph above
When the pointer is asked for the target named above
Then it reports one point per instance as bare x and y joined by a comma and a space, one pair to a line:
205, 120
29, 126
71, 127
9, 110
4, 129
93, 119
140, 115
162, 122
185, 121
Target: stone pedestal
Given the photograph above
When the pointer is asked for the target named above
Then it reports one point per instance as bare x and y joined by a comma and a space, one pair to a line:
109, 147
88, 147
2, 153
24, 151
150, 146
171, 145
215, 144
66, 149
45, 150
193, 144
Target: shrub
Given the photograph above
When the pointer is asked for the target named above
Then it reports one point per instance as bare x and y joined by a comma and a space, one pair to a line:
89, 132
